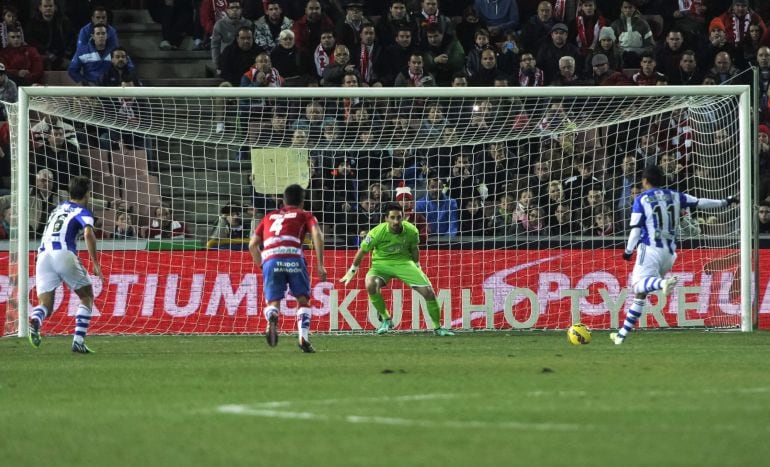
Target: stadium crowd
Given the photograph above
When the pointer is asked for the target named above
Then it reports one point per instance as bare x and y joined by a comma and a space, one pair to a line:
580, 184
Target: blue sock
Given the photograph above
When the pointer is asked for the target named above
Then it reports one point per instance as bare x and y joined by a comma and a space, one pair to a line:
632, 317
303, 322
39, 313
648, 284
82, 321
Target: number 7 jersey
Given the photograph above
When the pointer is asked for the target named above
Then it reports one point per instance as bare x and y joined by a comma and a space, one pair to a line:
282, 232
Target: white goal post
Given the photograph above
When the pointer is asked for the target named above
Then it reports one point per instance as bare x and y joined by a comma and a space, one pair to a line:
592, 116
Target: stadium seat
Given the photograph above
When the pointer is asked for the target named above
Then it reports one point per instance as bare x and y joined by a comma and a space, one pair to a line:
143, 193
130, 163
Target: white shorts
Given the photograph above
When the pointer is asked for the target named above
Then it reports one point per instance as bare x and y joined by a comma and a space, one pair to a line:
57, 266
651, 262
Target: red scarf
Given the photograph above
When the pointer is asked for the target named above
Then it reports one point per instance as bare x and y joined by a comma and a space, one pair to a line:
366, 68
220, 6
524, 79
739, 28
587, 38
322, 59
559, 9
415, 78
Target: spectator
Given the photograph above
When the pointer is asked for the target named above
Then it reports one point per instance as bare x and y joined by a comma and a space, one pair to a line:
763, 157
718, 43
210, 12
124, 226
633, 33
688, 73
444, 56
763, 218
91, 60
414, 75
487, 72
690, 17
724, 71
52, 35
466, 29
439, 209
98, 18
269, 27
647, 151
561, 222
603, 222
585, 30
536, 31
5, 159
608, 46
43, 198
550, 52
369, 53
647, 75
459, 80
529, 74
10, 23
472, 220
307, 30
604, 76
430, 14
5, 220
238, 57
499, 15
8, 91
262, 73
461, 184
473, 57
176, 21
567, 76
534, 222
397, 19
334, 73
757, 38
290, 63
323, 56
763, 64
22, 62
669, 53
348, 31
164, 226
226, 30
737, 20
120, 71
229, 224
61, 158
555, 197
396, 56
405, 198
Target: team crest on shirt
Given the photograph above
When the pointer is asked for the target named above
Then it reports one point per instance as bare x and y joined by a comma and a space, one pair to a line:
368, 240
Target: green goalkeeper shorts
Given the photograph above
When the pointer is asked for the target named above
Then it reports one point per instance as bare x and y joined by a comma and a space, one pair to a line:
406, 271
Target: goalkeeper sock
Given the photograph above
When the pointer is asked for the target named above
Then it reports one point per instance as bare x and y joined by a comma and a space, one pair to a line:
303, 322
435, 313
632, 317
379, 305
82, 320
39, 313
648, 284
269, 310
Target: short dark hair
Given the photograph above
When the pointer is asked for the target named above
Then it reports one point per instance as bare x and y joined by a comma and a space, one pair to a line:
647, 54
293, 195
654, 175
119, 49
231, 209
79, 187
391, 206
245, 29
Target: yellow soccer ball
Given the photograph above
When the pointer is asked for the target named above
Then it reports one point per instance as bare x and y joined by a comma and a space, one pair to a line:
579, 334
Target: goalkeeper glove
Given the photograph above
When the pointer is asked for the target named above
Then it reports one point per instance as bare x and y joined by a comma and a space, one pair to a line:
349, 275
731, 200
627, 256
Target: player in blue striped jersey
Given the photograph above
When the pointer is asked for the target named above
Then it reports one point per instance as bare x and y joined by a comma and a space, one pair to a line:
654, 222
57, 262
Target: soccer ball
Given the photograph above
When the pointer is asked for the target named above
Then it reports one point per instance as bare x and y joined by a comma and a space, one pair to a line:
579, 334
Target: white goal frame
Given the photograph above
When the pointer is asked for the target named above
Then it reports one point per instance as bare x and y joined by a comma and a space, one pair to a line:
744, 129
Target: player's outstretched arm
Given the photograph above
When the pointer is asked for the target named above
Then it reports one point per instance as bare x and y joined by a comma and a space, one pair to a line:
90, 238
354, 267
318, 246
705, 203
256, 252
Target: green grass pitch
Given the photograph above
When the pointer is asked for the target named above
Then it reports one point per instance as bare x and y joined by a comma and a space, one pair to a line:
483, 399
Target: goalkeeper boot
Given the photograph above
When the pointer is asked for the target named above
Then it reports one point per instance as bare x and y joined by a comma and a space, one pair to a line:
306, 346
34, 333
385, 326
81, 347
272, 330
669, 284
616, 338
441, 332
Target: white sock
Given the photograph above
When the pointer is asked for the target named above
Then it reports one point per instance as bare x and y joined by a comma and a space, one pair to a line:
632, 317
82, 321
269, 310
303, 322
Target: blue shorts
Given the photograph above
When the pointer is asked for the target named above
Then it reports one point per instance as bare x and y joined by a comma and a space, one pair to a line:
277, 272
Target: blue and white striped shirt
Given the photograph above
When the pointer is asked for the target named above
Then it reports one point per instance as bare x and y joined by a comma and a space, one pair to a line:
64, 225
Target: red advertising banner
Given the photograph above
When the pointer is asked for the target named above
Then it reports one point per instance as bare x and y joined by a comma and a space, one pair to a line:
221, 292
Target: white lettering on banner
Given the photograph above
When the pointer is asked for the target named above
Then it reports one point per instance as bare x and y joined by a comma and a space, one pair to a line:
609, 283
224, 289
150, 292
682, 305
123, 282
471, 311
196, 291
656, 310
764, 306
513, 298
396, 309
544, 293
705, 294
321, 293
574, 302
723, 297
444, 299
5, 288
614, 304
342, 308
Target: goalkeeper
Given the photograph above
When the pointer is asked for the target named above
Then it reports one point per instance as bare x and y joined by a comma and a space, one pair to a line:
395, 255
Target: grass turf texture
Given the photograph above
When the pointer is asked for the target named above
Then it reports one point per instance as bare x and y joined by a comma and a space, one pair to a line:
663, 398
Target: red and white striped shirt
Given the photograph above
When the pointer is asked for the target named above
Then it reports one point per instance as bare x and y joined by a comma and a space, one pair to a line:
282, 232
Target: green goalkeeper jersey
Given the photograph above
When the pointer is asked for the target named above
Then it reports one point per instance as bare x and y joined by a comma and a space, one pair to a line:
388, 246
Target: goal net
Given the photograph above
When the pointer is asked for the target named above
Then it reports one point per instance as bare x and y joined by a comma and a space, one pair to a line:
522, 198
